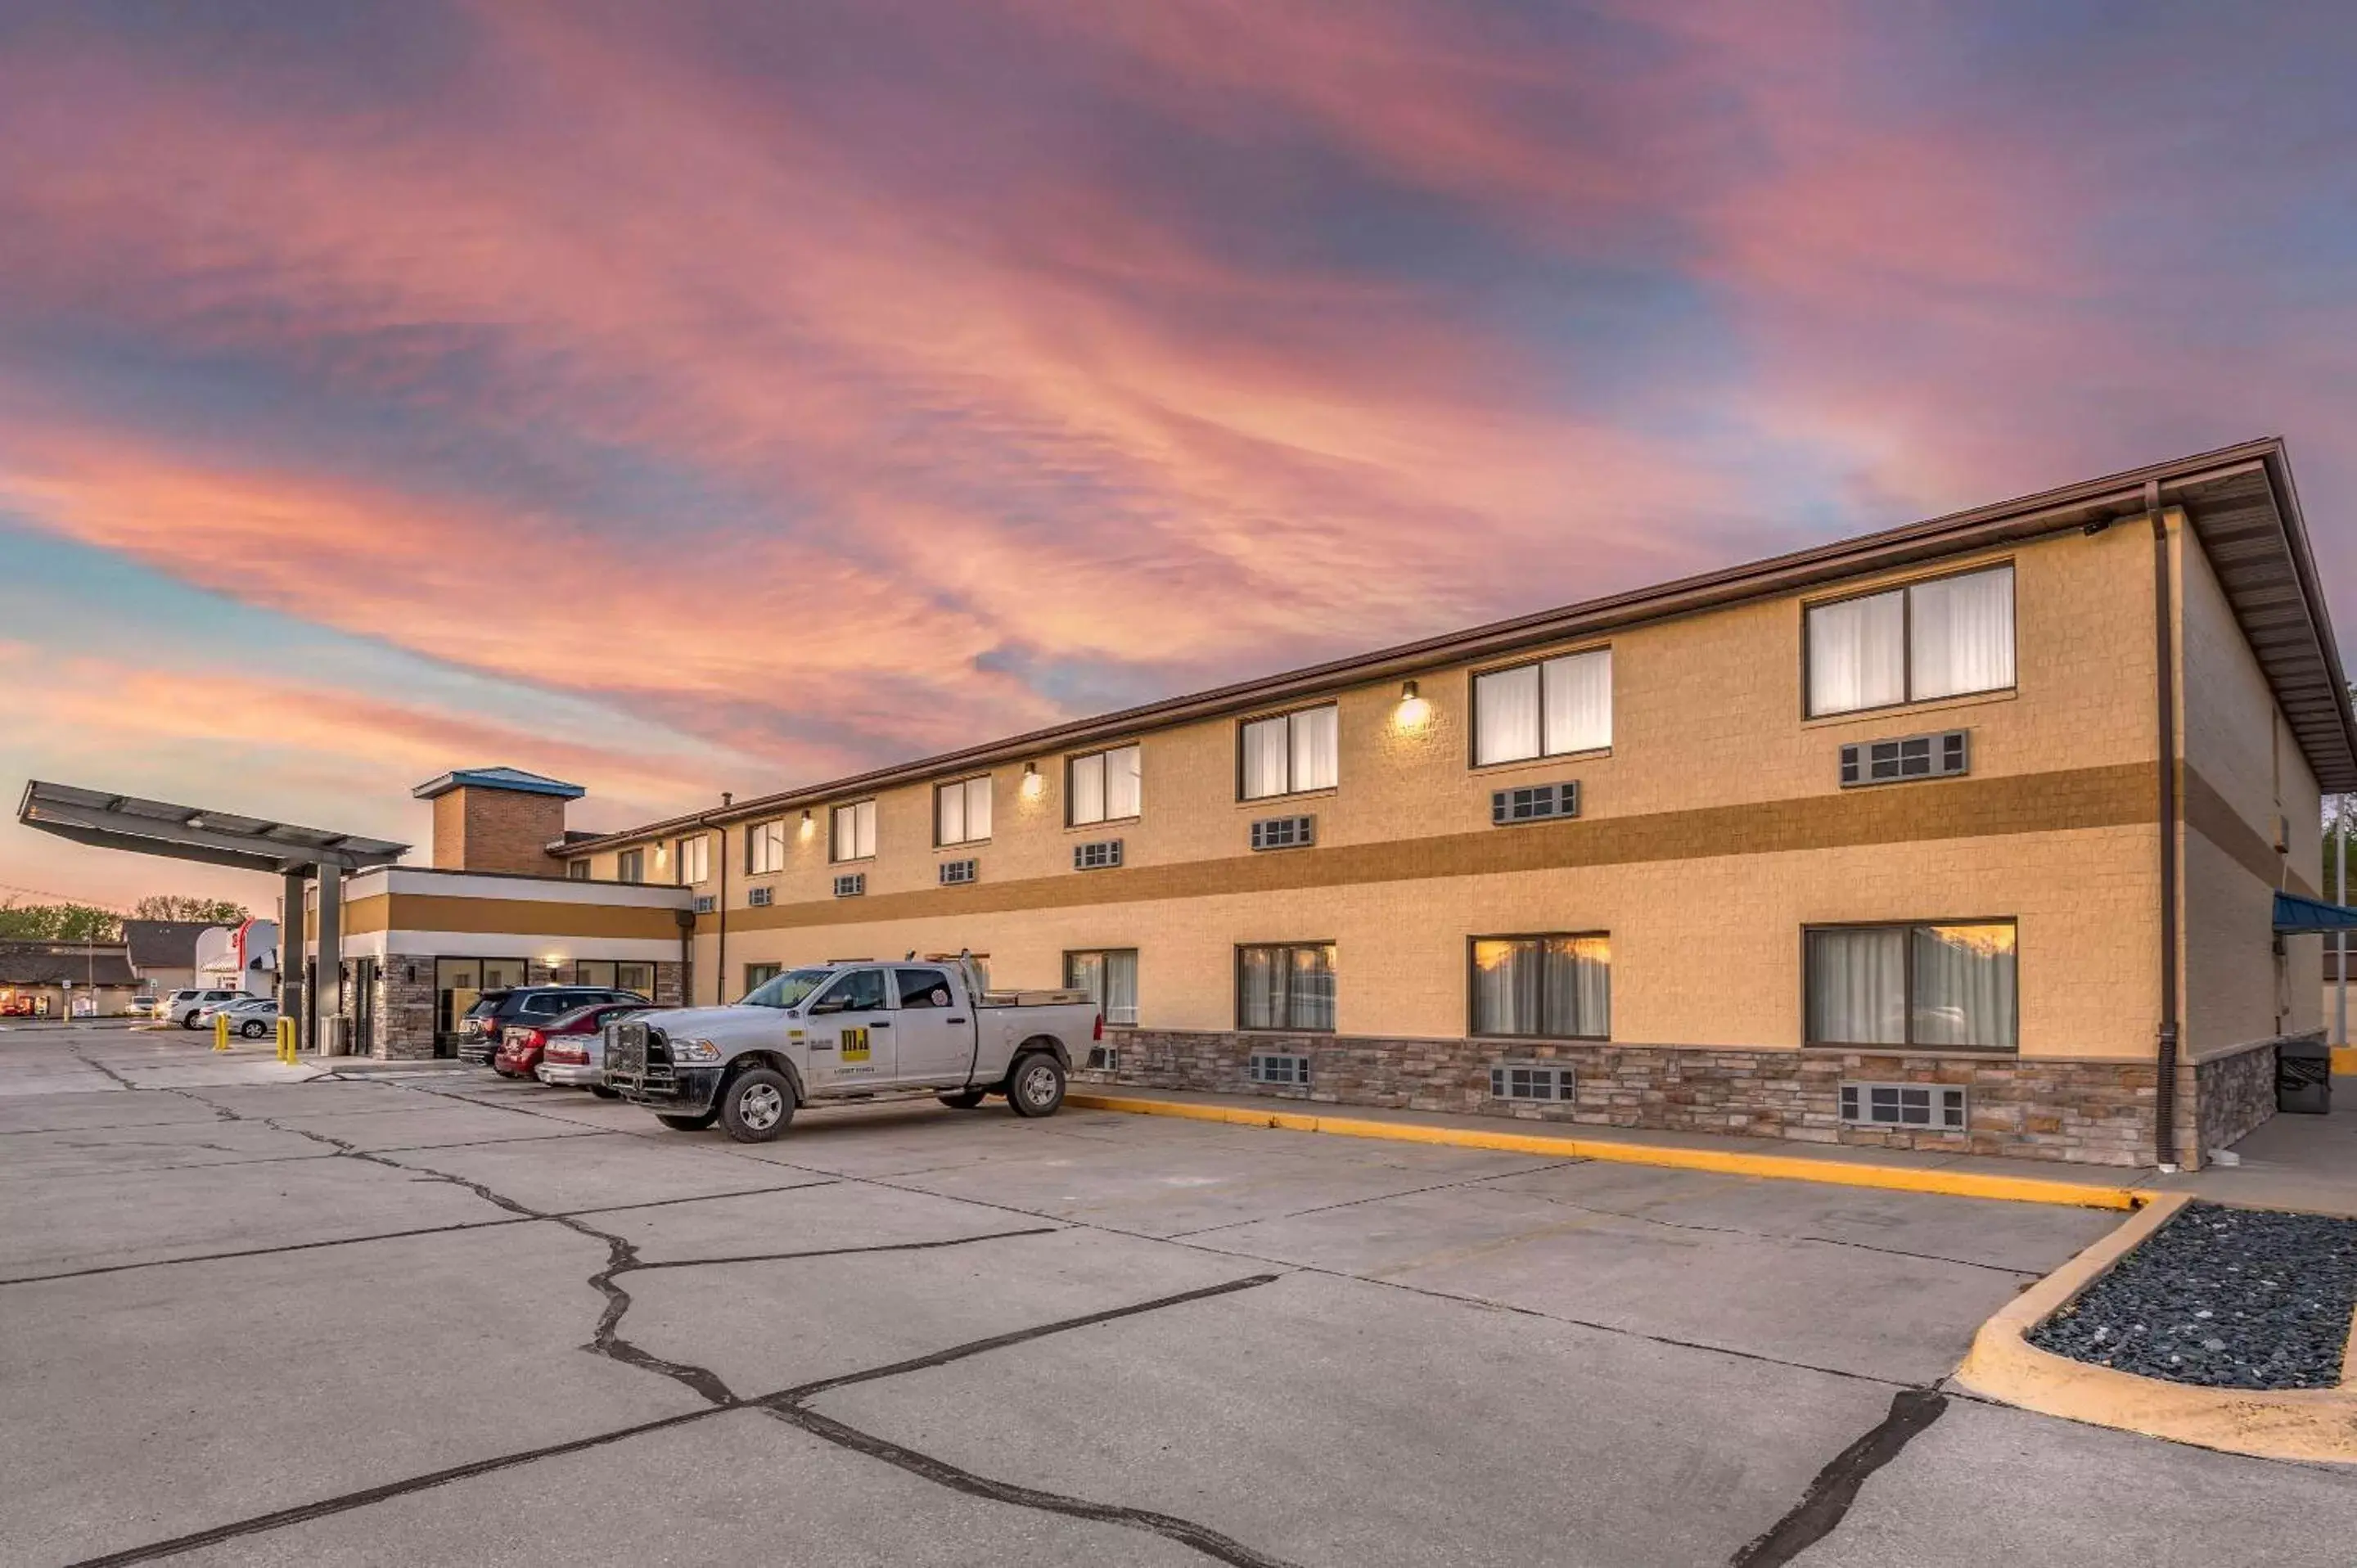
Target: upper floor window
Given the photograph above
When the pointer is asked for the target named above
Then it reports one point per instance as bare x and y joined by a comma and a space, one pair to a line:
694, 860
1290, 753
1944, 637
1544, 709
962, 811
1929, 985
855, 830
765, 847
579, 870
1104, 786
631, 865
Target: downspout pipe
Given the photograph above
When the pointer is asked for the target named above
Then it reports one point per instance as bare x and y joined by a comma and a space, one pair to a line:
2165, 1048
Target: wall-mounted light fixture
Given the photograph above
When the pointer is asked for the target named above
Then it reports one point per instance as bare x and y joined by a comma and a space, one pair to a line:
808, 826
1032, 782
1412, 711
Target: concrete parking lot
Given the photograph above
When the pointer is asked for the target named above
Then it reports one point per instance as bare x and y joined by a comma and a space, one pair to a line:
446, 1319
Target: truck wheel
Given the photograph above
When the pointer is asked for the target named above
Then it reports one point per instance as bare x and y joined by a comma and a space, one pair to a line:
756, 1104
963, 1100
696, 1124
1036, 1086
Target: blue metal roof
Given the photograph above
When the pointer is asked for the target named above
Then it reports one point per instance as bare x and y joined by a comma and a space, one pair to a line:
514, 778
2296, 916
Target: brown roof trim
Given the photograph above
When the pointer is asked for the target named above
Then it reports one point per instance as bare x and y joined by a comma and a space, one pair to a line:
2090, 501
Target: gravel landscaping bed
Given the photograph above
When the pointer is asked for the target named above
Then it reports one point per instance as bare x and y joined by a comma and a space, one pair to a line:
2228, 1298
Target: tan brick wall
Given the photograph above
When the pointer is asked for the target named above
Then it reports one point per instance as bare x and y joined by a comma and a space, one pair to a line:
496, 830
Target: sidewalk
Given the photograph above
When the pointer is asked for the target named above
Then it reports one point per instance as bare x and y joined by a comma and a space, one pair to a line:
2304, 1163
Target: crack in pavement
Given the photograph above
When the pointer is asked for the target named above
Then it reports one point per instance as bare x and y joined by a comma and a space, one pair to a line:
784, 1406
1827, 1501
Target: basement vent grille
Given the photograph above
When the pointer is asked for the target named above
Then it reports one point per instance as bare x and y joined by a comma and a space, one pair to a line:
1932, 1105
1524, 1080
1290, 1071
1941, 756
1105, 1058
1097, 855
851, 885
706, 904
956, 872
759, 897
1535, 803
1285, 833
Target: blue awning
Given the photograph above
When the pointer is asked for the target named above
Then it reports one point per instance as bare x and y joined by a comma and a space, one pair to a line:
2296, 915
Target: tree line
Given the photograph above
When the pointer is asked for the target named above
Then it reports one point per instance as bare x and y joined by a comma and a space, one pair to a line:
70, 922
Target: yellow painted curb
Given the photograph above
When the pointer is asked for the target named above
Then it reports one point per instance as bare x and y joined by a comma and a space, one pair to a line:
2344, 1059
2310, 1425
1726, 1161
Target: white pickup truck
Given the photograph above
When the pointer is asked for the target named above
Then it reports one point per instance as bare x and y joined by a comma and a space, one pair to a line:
850, 1031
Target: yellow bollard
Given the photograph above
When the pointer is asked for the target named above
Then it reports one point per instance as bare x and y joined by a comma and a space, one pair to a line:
286, 1041
221, 1031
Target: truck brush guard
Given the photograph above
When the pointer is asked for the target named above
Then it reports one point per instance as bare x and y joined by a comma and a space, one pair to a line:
637, 1062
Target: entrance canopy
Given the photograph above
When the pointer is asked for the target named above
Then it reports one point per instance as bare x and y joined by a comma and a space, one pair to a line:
191, 833
2296, 916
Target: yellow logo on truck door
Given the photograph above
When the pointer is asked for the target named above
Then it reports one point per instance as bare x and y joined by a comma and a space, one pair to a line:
853, 1045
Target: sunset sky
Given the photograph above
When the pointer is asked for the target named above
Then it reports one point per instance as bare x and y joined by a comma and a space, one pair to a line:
677, 397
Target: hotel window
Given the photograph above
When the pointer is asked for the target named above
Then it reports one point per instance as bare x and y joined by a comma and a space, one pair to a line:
765, 847
1547, 709
1104, 787
1289, 754
1556, 987
694, 860
631, 865
578, 870
962, 811
594, 972
1110, 977
855, 830
638, 977
1929, 985
1945, 637
759, 975
1288, 985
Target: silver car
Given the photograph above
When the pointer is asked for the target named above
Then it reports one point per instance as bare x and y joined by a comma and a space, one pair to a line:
251, 1016
574, 1055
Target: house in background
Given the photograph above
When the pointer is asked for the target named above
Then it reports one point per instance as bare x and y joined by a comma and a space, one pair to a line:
64, 980
163, 953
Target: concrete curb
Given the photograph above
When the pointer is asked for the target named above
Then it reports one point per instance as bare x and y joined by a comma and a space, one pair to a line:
1726, 1162
2307, 1425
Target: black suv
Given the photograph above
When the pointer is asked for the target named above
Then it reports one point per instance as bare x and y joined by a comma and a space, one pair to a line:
480, 1030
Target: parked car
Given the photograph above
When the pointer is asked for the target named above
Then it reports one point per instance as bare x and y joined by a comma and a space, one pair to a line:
251, 1016
182, 1006
494, 1012
145, 1007
857, 1030
525, 1049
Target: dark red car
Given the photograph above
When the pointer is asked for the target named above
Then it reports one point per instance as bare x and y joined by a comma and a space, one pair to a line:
522, 1044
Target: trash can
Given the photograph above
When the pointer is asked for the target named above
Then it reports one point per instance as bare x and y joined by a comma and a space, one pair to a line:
2304, 1076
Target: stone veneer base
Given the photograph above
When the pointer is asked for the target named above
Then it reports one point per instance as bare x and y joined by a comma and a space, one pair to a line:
2232, 1094
2083, 1111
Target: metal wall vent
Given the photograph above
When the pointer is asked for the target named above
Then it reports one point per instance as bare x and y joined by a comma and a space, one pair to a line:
1937, 1106
1097, 855
956, 872
706, 904
1527, 1081
1941, 756
1291, 1071
852, 885
760, 898
1285, 833
1535, 803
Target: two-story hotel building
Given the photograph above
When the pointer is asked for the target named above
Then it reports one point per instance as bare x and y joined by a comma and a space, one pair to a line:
1963, 835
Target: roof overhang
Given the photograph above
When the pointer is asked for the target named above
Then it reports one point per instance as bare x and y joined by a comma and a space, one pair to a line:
2239, 501
2296, 916
192, 833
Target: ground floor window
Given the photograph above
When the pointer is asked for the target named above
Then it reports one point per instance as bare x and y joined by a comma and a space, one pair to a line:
458, 981
638, 977
1286, 985
1558, 986
1110, 977
1953, 985
594, 972
759, 975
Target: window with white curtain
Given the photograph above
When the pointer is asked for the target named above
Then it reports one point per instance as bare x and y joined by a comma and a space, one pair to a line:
1930, 985
1288, 985
1545, 709
962, 811
1945, 637
765, 847
855, 830
1110, 977
1559, 987
1104, 786
1290, 754
694, 860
